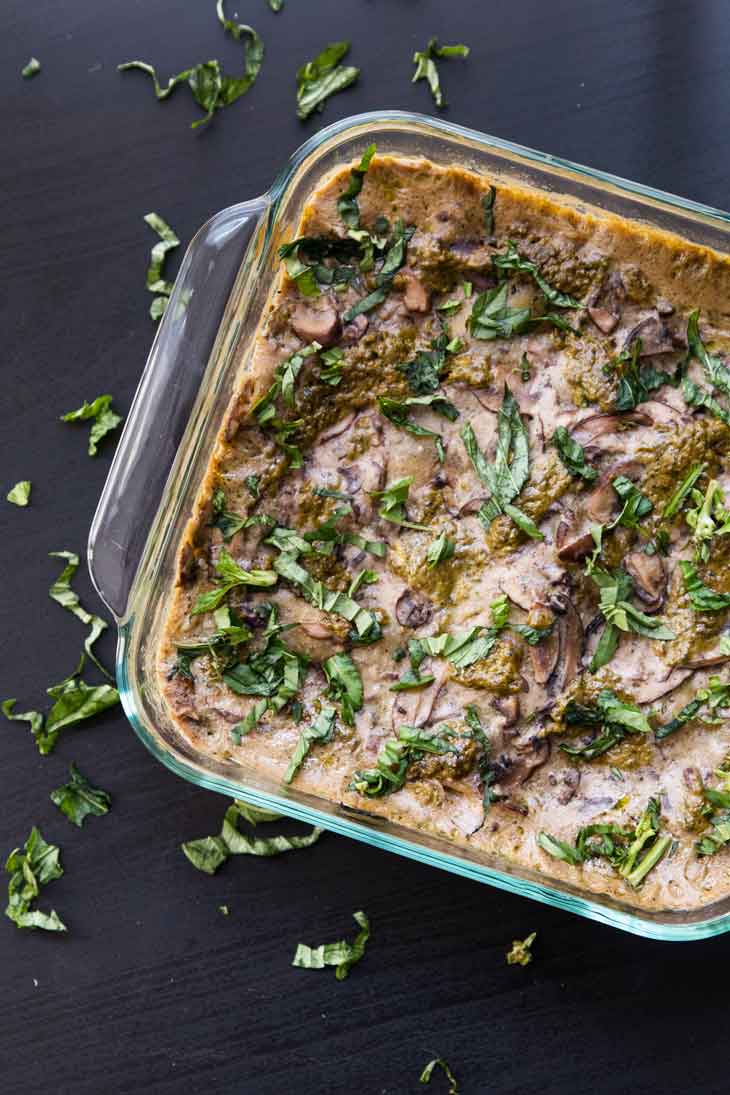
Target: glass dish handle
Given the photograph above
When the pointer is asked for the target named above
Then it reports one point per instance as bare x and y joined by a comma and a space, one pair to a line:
164, 398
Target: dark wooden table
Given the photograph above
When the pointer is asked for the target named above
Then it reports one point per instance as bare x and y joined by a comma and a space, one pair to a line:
153, 989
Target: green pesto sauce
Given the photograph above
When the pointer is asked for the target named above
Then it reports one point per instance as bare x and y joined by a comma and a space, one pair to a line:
499, 673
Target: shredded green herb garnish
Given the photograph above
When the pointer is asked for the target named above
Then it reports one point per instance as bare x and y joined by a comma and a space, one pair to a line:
104, 419
31, 868
573, 456
512, 261
31, 69
425, 62
707, 519
521, 951
19, 495
62, 593
342, 954
440, 549
702, 598
611, 716
394, 758
208, 853
322, 77
156, 283
79, 799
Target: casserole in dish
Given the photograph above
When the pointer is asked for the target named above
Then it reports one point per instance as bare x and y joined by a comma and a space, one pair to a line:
211, 367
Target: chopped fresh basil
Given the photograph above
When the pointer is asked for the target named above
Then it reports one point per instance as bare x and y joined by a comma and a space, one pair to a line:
708, 519
488, 205
155, 281
328, 535
62, 593
345, 685
321, 729
78, 799
208, 853
464, 649
322, 77
393, 259
393, 503
285, 378
424, 372
620, 615
30, 868
332, 364
412, 678
253, 485
697, 396
636, 381
635, 504
231, 575
508, 474
439, 1062
425, 62
347, 205
397, 412
342, 954
31, 69
702, 598
513, 261
525, 374
105, 419
573, 455
491, 317
74, 701
717, 811
521, 951
632, 852
675, 503
325, 599
440, 549
362, 578
487, 773
716, 371
499, 610
275, 672
211, 88
394, 758
532, 635
614, 717
19, 495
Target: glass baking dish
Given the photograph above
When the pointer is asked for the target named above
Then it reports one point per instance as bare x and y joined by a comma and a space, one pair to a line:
201, 348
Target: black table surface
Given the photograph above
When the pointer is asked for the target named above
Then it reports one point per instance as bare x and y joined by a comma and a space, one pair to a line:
153, 989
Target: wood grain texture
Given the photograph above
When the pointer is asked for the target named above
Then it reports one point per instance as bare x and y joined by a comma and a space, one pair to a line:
153, 990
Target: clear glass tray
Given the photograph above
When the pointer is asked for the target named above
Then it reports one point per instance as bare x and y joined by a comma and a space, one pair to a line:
202, 346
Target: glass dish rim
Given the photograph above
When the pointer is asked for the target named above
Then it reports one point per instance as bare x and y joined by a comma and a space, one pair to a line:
635, 923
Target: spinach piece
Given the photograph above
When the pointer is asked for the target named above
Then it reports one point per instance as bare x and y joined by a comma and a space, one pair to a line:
105, 419
513, 261
393, 503
488, 205
19, 495
440, 549
208, 853
62, 593
321, 729
231, 575
155, 281
345, 685
439, 1062
342, 954
491, 317
394, 758
322, 77
425, 62
31, 69
347, 205
521, 953
632, 852
211, 88
614, 716
397, 412
508, 474
78, 799
702, 598
30, 868
573, 456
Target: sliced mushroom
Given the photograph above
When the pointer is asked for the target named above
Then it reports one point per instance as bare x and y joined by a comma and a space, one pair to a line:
544, 655
604, 320
572, 545
655, 689
516, 768
337, 428
601, 502
509, 709
589, 429
570, 628
413, 609
650, 578
316, 323
571, 779
656, 337
416, 296
354, 330
708, 662
473, 505
188, 565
